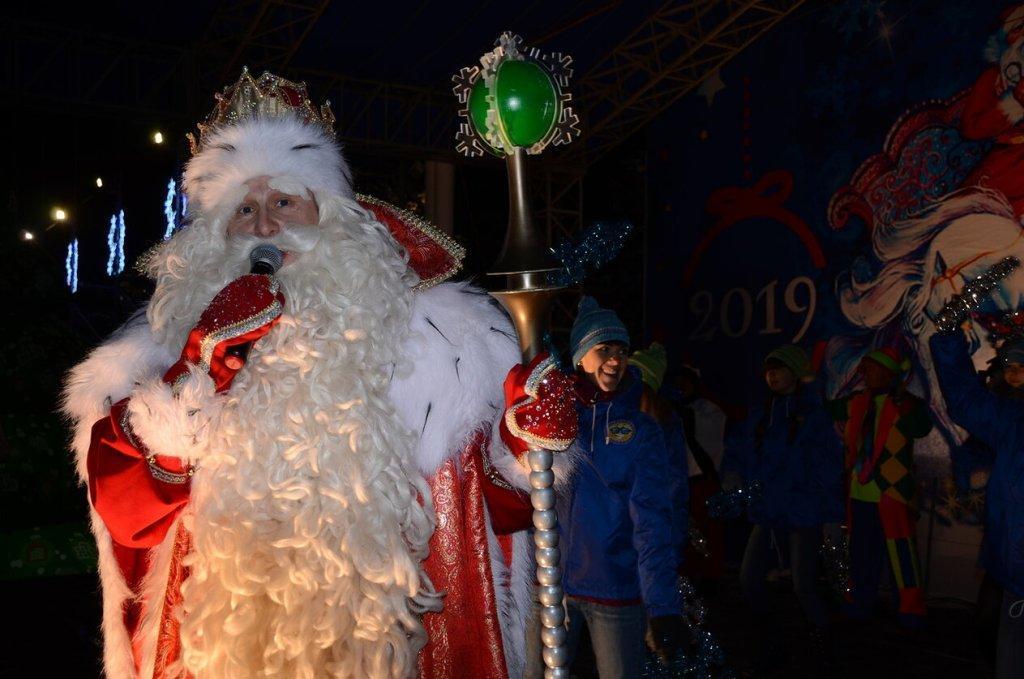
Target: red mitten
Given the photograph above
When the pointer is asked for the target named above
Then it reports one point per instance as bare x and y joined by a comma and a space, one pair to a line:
540, 407
243, 312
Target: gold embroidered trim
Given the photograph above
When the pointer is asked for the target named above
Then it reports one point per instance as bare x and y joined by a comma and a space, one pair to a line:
446, 242
161, 474
496, 478
237, 330
158, 472
126, 427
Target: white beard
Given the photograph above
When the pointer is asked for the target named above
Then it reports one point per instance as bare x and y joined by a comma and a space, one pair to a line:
309, 519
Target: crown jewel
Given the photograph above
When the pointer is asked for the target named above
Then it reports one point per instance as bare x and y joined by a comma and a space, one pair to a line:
269, 96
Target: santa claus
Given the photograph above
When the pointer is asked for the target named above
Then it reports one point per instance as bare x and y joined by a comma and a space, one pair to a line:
341, 500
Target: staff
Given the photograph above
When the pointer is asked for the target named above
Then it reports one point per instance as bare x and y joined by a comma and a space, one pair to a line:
515, 103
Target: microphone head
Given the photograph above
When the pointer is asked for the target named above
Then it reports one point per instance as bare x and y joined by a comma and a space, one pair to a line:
265, 258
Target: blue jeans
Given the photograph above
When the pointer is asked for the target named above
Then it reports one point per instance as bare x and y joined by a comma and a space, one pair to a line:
616, 634
803, 561
1010, 651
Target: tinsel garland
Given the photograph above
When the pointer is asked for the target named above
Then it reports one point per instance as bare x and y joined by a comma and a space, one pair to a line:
973, 295
698, 541
729, 504
836, 559
598, 245
706, 657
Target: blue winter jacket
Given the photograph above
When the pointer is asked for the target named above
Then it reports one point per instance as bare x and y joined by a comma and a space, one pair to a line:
790, 446
616, 520
999, 423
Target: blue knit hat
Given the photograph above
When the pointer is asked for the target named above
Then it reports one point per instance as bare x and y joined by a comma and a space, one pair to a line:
1011, 352
594, 325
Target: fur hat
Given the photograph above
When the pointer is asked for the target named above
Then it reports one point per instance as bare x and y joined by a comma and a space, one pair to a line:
264, 126
283, 147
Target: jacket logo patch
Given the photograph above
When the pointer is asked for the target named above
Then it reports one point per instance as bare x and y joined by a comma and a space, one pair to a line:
621, 431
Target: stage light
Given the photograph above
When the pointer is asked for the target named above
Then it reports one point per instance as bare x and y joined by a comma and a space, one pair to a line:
158, 137
27, 235
59, 214
99, 182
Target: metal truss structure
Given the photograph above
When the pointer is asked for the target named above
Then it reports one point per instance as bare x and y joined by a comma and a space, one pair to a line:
260, 34
667, 56
57, 68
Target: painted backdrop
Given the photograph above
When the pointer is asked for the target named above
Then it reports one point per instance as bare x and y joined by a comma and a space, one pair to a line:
833, 186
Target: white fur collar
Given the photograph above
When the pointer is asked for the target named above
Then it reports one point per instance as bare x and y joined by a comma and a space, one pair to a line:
460, 346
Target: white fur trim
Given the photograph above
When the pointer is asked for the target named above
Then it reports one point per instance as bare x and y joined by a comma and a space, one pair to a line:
106, 377
117, 647
152, 593
1011, 108
274, 147
175, 426
460, 347
513, 588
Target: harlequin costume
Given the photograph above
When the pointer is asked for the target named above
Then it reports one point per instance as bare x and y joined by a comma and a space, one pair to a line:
879, 431
345, 503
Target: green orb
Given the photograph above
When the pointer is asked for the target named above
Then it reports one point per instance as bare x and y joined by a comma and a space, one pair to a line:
527, 101
478, 109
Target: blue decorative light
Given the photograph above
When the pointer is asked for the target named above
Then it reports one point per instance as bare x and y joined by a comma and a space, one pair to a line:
169, 212
120, 241
598, 245
115, 244
111, 246
729, 504
71, 266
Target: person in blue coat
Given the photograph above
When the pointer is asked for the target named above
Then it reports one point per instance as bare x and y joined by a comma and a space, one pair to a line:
652, 363
790, 448
997, 421
618, 554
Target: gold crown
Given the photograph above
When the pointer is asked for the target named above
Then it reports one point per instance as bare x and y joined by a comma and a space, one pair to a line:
269, 96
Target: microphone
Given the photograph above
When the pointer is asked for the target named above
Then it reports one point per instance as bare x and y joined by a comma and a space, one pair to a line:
264, 259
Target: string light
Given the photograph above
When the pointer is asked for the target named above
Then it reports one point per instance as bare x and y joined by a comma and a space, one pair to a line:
158, 137
111, 250
27, 235
115, 244
169, 211
71, 266
59, 214
120, 241
99, 182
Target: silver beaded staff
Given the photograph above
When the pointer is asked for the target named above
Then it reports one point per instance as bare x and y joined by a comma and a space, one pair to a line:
516, 103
